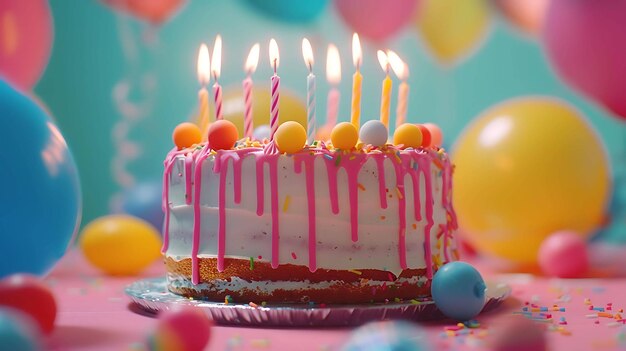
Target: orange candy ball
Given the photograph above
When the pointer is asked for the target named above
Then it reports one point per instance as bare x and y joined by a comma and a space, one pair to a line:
222, 135
186, 134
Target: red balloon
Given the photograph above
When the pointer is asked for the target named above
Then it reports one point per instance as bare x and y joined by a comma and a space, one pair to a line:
585, 42
28, 294
25, 41
376, 19
154, 11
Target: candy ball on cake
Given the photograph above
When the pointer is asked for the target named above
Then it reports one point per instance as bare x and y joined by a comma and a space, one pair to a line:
290, 137
344, 136
374, 132
408, 135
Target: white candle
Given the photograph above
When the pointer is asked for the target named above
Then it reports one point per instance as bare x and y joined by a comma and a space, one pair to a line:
216, 66
333, 75
250, 67
275, 87
307, 53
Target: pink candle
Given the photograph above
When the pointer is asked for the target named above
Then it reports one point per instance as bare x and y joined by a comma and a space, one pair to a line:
216, 66
274, 103
250, 67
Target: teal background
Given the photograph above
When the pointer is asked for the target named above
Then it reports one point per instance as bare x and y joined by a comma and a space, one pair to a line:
88, 60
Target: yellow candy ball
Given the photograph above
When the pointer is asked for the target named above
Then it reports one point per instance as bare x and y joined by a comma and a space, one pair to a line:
120, 244
408, 135
344, 136
290, 137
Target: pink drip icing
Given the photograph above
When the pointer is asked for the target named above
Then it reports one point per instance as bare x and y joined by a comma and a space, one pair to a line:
260, 189
332, 170
417, 207
195, 244
380, 164
310, 193
424, 167
221, 209
188, 164
165, 198
273, 161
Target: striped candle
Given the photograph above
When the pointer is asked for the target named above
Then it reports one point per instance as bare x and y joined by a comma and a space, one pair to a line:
247, 98
275, 84
216, 67
310, 99
217, 95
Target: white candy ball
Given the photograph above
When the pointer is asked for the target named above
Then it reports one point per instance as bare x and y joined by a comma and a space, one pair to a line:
261, 132
374, 132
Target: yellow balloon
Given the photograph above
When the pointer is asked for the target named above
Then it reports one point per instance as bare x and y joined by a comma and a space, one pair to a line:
292, 108
120, 244
452, 28
525, 169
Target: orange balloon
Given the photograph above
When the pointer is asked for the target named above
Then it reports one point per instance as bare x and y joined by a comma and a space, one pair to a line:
186, 134
222, 135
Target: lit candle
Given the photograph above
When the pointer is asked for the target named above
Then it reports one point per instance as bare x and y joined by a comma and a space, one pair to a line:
250, 67
401, 70
274, 61
216, 66
204, 77
307, 53
385, 97
357, 78
333, 75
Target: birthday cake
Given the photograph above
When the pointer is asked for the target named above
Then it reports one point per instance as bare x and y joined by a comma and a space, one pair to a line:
251, 222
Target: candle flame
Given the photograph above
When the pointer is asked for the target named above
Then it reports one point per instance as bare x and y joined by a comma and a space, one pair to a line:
307, 53
204, 65
356, 51
274, 56
384, 60
399, 67
253, 59
333, 65
216, 63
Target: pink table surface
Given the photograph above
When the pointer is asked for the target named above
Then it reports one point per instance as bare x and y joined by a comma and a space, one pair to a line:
95, 314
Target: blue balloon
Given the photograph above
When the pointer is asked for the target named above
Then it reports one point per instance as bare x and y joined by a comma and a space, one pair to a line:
144, 201
18, 331
39, 187
459, 291
290, 10
387, 336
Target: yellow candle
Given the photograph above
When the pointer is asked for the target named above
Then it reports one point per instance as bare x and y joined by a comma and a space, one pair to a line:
203, 99
357, 79
385, 97
385, 101
355, 116
402, 72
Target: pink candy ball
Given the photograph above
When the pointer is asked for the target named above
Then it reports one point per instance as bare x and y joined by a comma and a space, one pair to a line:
564, 254
516, 333
185, 329
436, 136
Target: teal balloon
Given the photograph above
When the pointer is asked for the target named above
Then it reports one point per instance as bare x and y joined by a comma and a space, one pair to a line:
18, 331
41, 202
290, 10
144, 200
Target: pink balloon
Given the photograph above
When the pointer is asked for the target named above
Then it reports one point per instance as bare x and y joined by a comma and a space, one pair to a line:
376, 19
586, 43
527, 15
154, 11
564, 254
25, 41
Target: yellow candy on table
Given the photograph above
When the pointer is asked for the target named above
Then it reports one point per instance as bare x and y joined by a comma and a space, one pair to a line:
408, 135
120, 244
290, 137
344, 136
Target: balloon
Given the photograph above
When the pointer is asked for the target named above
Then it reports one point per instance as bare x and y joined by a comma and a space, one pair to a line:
585, 43
451, 28
374, 19
459, 291
291, 107
18, 332
154, 11
183, 328
31, 296
564, 255
526, 15
143, 200
526, 168
120, 244
289, 10
39, 184
25, 41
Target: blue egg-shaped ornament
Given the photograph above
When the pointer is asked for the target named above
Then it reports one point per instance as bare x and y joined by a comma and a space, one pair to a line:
18, 331
374, 132
458, 290
387, 336
144, 200
39, 186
